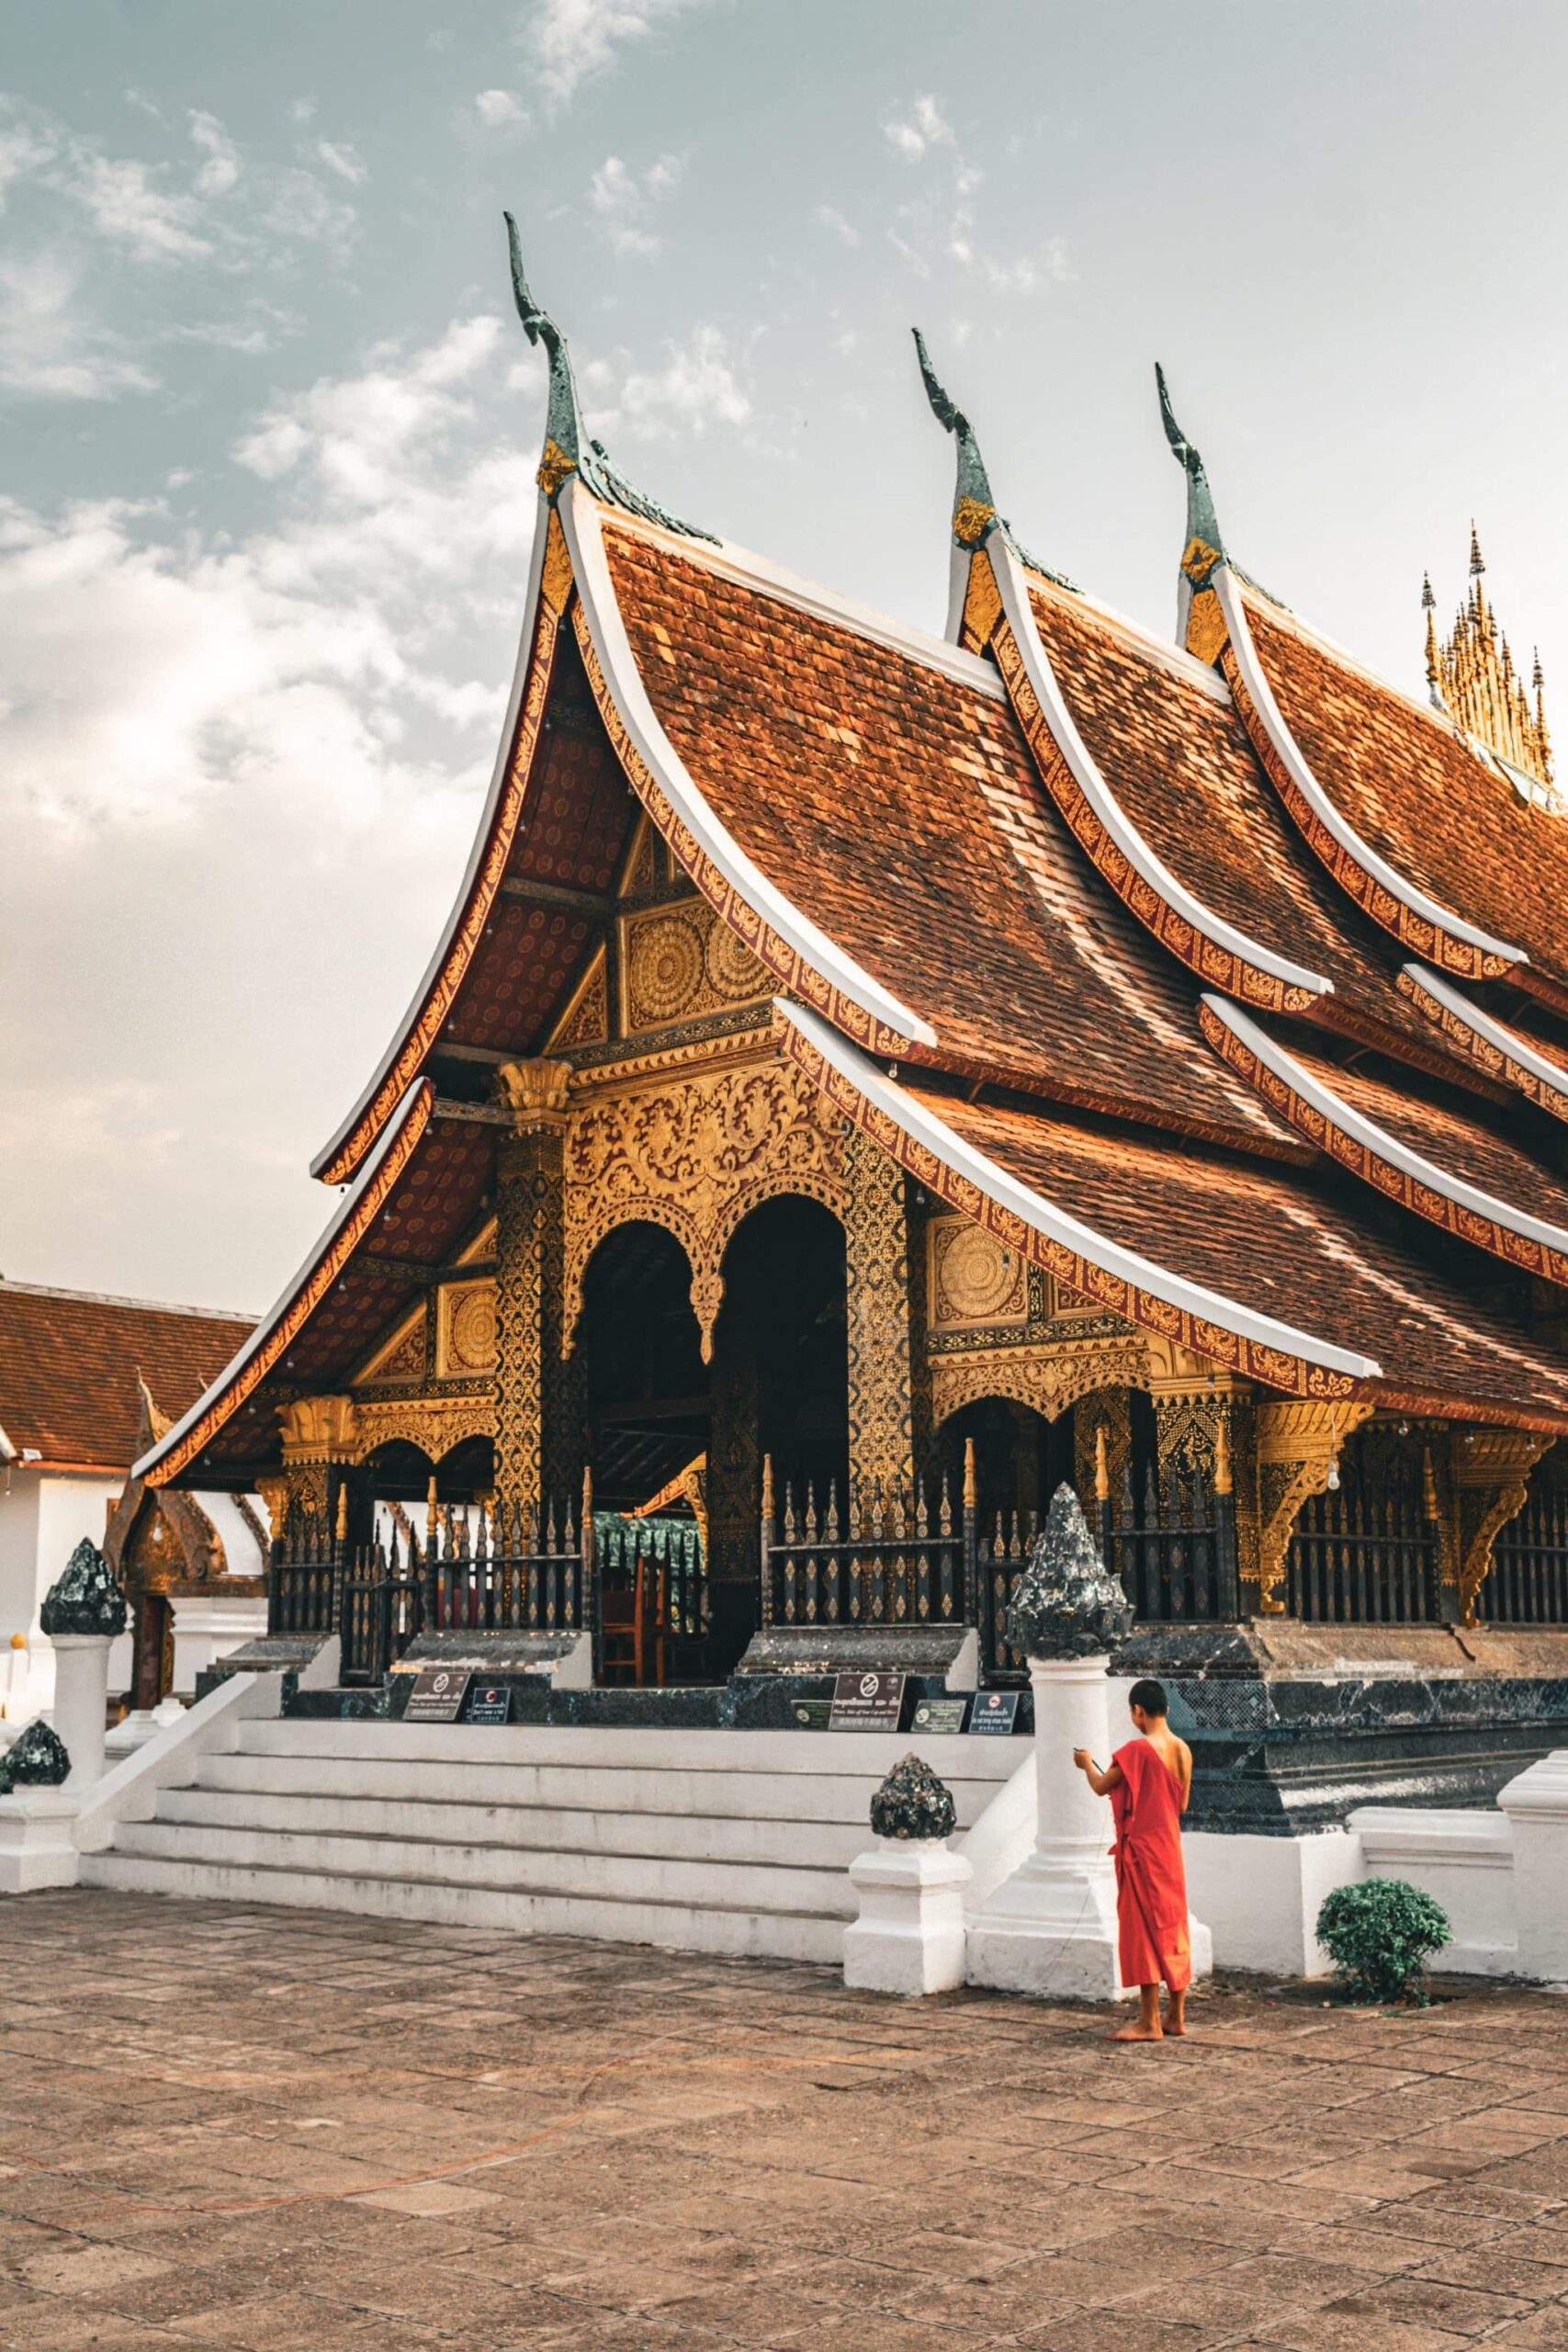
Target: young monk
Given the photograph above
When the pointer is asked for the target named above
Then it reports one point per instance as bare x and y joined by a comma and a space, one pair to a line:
1148, 1783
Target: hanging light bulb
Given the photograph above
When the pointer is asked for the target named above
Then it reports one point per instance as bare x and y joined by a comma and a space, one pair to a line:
1332, 1481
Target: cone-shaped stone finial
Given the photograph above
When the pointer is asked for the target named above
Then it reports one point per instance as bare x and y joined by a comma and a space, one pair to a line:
1068, 1603
912, 1802
85, 1599
37, 1760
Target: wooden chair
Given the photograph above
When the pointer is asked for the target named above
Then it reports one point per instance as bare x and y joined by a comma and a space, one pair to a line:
634, 1621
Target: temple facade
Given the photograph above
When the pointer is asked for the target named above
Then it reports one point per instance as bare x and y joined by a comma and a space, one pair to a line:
867, 1080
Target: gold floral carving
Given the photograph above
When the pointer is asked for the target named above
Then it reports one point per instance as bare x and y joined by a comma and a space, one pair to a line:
534, 1092
435, 1424
319, 1429
982, 604
974, 1280
554, 467
1048, 1377
586, 1020
972, 518
1491, 1475
1207, 630
555, 575
402, 1356
680, 961
695, 1156
466, 1330
880, 1326
1297, 1439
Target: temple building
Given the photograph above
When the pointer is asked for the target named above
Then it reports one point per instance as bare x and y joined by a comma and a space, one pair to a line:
867, 1079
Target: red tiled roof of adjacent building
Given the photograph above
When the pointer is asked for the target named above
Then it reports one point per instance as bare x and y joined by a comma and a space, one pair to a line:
68, 1366
1404, 778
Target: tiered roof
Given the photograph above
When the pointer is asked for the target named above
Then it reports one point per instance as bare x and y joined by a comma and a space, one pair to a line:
1151, 958
70, 1362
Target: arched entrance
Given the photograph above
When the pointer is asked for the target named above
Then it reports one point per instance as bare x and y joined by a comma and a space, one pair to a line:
646, 1382
780, 1389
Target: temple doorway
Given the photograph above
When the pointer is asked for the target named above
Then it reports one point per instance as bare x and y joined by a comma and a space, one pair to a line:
780, 1389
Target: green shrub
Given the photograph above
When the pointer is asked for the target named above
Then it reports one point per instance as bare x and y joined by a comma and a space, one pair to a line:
1379, 1934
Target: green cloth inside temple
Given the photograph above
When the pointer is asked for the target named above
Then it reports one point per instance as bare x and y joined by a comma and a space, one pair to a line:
620, 1541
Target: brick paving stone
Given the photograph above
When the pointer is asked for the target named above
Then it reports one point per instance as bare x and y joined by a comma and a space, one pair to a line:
234, 2129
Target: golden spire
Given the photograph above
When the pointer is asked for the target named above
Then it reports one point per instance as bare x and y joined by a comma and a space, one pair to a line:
1474, 678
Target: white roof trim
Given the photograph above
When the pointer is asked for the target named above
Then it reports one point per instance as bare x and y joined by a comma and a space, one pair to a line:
579, 514
1012, 579
1232, 605
264, 1331
1507, 1040
1365, 1131
1056, 1223
1175, 659
823, 603
330, 1151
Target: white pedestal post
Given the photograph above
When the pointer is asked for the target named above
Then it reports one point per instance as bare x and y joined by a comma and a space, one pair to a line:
37, 1846
909, 1935
1536, 1805
1050, 1927
81, 1702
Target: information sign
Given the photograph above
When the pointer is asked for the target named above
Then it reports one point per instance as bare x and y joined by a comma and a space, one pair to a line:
867, 1702
490, 1702
994, 1712
437, 1695
938, 1714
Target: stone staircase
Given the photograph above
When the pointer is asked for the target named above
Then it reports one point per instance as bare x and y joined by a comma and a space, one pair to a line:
720, 1841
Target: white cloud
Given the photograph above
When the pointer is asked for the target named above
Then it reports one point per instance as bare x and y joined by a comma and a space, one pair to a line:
495, 107
925, 127
570, 41
625, 202
828, 216
698, 387
341, 158
48, 348
221, 169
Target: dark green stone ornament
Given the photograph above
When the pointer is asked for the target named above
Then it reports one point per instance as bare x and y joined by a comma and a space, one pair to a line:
85, 1599
1068, 1603
37, 1759
912, 1802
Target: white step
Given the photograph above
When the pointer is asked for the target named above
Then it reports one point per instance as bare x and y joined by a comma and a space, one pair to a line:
560, 1829
735, 1933
842, 1796
722, 1842
656, 1877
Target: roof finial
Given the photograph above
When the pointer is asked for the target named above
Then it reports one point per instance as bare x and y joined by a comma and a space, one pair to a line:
567, 448
1429, 601
974, 508
1476, 565
1205, 550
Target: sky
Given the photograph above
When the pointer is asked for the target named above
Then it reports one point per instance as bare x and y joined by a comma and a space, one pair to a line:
269, 426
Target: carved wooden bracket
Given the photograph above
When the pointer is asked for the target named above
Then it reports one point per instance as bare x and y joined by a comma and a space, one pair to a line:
1297, 1439
1491, 1471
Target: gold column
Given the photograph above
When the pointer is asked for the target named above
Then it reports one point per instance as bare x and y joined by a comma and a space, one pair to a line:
538, 1429
1203, 1420
889, 1380
320, 1443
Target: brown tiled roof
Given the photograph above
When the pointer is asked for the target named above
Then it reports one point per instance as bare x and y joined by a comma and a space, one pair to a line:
1406, 781
897, 807
1276, 1240
69, 1362
1180, 764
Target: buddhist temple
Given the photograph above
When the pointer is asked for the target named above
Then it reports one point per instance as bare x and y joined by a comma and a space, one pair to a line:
868, 1078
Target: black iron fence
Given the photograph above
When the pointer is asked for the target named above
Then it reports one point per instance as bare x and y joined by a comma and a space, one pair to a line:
900, 1560
1365, 1552
1527, 1582
518, 1571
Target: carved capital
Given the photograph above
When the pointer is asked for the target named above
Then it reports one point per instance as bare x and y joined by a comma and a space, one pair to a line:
1491, 1475
320, 1429
534, 1092
1174, 1370
1297, 1439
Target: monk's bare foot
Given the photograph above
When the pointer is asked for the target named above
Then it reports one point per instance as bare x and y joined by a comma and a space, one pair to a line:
1176, 2018
1137, 2033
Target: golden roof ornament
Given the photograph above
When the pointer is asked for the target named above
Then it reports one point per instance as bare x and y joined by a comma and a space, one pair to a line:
1472, 675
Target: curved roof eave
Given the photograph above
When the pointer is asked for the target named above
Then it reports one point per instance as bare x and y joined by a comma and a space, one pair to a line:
300, 1297
1379, 1159
778, 933
1201, 940
431, 1002
1394, 904
1502, 1053
1220, 1329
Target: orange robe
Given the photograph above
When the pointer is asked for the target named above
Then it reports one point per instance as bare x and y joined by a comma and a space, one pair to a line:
1153, 1943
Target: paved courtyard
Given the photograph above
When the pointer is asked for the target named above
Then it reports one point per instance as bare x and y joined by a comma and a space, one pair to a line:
226, 2126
